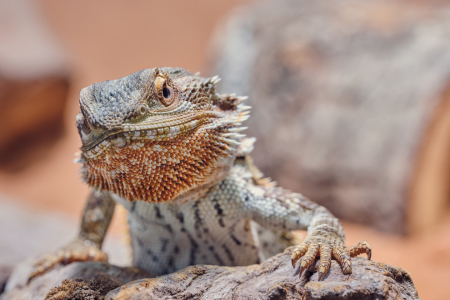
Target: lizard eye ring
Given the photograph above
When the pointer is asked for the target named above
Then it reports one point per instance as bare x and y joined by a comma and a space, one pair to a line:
164, 91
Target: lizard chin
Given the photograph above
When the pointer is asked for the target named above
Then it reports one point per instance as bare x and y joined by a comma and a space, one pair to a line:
161, 168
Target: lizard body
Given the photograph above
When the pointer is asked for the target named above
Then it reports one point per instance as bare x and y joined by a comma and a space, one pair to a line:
166, 146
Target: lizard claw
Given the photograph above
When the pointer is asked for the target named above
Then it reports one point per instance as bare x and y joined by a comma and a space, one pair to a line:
327, 249
301, 270
321, 274
307, 252
298, 252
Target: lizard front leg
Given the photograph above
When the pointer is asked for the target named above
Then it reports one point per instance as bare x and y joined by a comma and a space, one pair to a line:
276, 208
86, 246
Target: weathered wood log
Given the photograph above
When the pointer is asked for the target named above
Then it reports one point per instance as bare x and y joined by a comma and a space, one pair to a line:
273, 279
34, 83
86, 271
351, 103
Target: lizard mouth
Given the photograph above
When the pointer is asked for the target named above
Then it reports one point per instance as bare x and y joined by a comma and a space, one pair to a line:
119, 136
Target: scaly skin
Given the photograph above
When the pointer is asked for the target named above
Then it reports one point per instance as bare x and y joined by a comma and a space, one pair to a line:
164, 145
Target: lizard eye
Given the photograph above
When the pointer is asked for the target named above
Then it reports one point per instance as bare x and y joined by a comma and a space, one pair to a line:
164, 91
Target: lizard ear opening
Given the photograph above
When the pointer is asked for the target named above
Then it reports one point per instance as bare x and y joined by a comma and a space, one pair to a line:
164, 91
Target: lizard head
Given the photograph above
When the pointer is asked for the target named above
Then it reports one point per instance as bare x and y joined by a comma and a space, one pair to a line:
158, 134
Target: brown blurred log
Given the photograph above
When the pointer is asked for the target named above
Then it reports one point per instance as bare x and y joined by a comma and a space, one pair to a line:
350, 103
34, 82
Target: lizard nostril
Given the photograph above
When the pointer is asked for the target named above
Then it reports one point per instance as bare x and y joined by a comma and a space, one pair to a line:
143, 110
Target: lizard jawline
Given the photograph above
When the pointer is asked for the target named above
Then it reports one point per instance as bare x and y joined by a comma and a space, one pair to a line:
95, 139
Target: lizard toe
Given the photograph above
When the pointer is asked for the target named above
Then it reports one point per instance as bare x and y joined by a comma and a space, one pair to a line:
325, 260
360, 248
298, 252
343, 258
309, 257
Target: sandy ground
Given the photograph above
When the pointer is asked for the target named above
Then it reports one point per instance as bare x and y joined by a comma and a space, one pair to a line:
111, 39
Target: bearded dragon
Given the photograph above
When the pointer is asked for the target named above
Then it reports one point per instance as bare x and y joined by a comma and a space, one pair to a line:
163, 144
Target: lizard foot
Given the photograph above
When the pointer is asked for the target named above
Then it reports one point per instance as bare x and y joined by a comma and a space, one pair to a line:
75, 251
327, 247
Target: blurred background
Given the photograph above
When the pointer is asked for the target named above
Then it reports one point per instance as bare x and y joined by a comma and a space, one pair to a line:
351, 107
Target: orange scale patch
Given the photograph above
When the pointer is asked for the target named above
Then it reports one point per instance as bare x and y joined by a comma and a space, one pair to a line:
149, 173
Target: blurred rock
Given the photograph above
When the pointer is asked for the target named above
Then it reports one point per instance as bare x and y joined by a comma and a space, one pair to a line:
351, 102
26, 231
29, 232
5, 271
34, 82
